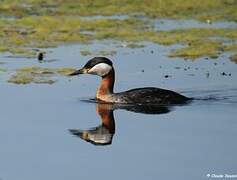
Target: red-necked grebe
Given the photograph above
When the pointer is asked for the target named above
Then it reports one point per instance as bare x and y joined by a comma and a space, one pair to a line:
103, 67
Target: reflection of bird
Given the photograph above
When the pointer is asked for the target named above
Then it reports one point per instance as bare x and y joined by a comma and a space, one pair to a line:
103, 134
103, 67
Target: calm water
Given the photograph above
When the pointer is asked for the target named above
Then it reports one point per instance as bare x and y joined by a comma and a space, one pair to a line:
188, 142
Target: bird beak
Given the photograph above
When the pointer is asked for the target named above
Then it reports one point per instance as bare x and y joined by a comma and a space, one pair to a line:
80, 71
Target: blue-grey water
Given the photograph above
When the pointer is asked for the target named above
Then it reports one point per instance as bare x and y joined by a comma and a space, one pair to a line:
188, 142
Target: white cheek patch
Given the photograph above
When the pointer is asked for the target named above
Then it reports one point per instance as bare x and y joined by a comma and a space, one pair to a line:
100, 69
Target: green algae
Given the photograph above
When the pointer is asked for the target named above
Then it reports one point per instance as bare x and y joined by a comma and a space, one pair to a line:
106, 53
203, 9
38, 75
98, 53
197, 42
85, 52
234, 58
2, 70
47, 31
133, 45
24, 78
40, 24
198, 49
230, 47
64, 71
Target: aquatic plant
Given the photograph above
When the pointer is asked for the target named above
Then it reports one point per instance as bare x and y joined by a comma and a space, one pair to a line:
36, 23
38, 75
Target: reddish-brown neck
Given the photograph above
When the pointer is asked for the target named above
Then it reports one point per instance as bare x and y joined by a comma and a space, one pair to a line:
107, 85
107, 118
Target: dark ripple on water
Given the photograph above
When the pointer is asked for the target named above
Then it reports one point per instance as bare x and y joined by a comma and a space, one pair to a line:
222, 96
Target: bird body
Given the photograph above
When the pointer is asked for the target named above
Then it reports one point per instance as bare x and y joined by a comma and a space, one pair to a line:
103, 67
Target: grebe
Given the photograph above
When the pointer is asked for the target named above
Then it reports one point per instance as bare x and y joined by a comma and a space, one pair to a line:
103, 67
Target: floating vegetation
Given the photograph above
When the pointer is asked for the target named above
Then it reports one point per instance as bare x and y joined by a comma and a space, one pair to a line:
24, 78
38, 75
98, 53
207, 10
40, 24
85, 52
134, 45
64, 71
198, 49
2, 70
234, 58
20, 35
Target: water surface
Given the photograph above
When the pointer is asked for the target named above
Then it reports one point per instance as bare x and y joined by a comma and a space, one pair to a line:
188, 142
